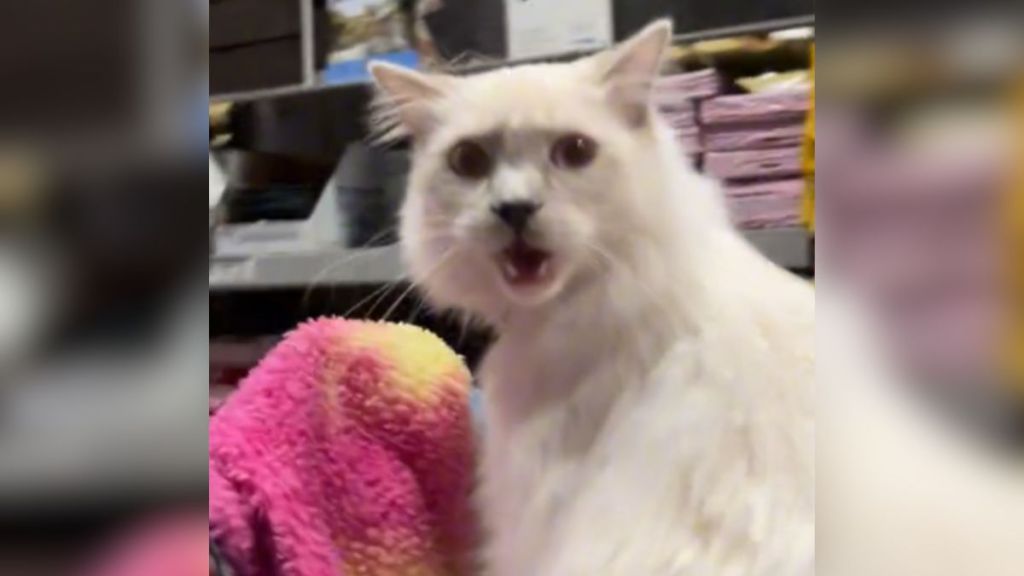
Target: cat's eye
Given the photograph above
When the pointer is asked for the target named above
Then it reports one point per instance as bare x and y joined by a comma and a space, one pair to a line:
469, 159
573, 151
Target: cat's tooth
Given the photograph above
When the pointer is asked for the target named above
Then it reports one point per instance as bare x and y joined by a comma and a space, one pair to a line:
542, 271
510, 270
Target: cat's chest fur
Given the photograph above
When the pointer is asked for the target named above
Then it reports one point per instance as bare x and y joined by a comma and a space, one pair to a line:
537, 461
606, 462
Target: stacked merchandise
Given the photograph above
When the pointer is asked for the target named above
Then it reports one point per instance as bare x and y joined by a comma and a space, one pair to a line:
678, 97
753, 143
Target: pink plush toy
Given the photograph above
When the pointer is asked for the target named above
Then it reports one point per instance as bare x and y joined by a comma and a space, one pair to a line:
347, 451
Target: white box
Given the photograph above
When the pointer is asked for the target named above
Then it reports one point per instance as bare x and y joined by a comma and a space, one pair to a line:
537, 28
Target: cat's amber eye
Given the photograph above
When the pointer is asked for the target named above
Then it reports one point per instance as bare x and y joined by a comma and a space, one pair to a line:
469, 159
573, 151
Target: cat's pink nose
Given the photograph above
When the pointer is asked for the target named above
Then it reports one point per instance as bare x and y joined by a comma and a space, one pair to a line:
516, 214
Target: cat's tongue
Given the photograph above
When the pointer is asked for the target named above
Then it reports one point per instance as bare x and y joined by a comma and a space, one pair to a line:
523, 264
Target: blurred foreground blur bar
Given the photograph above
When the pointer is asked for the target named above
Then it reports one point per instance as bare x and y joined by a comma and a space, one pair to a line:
103, 311
919, 223
1015, 254
916, 152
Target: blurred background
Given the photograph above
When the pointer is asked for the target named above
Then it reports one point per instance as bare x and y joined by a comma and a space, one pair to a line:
107, 326
103, 308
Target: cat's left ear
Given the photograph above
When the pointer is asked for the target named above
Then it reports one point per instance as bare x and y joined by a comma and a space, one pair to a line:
628, 71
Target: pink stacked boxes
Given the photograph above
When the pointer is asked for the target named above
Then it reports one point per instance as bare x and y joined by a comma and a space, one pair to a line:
762, 107
753, 143
752, 136
741, 165
678, 96
766, 204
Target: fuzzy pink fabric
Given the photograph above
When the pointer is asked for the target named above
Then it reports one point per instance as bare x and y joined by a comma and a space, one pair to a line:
347, 450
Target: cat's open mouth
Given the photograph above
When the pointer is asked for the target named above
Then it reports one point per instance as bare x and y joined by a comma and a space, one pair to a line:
524, 265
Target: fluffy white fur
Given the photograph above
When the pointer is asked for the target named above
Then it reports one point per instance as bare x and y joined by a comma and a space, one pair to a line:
650, 408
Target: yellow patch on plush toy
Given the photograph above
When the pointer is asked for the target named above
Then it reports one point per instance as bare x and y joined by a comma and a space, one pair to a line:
423, 365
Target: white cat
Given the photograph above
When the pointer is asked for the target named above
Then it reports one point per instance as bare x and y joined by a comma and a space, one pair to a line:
650, 396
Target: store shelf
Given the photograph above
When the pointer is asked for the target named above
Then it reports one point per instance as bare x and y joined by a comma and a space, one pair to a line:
322, 267
285, 91
762, 27
788, 247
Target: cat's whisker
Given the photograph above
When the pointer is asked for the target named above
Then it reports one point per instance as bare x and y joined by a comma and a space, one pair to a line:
398, 282
353, 254
437, 267
347, 258
419, 308
387, 287
315, 281
380, 299
466, 319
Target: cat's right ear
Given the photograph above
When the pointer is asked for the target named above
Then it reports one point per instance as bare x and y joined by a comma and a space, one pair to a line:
404, 105
628, 71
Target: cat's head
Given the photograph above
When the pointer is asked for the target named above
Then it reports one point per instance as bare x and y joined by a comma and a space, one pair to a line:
525, 180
